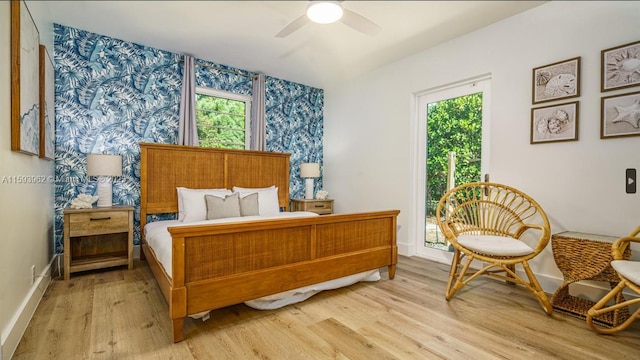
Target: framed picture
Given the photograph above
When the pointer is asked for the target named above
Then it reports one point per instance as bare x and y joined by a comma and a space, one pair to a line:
25, 88
554, 123
620, 67
620, 115
556, 81
47, 108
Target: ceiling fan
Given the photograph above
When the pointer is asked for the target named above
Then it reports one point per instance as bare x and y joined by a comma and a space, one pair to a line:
327, 12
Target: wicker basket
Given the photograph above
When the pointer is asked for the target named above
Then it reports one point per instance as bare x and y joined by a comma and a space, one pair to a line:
582, 256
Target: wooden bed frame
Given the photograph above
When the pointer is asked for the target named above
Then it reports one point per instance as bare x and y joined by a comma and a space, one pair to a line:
215, 266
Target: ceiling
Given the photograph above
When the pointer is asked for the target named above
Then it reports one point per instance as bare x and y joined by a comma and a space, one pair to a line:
242, 33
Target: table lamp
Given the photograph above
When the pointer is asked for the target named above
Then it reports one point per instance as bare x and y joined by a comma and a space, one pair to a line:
309, 171
104, 167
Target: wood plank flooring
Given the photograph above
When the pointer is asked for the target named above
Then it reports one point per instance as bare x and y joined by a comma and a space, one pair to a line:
121, 314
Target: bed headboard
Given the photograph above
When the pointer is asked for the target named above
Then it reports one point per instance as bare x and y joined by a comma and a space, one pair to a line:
165, 167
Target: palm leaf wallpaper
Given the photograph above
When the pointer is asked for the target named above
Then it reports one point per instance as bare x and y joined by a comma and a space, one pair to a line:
112, 94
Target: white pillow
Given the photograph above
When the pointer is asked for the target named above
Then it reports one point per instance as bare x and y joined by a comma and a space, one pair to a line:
267, 199
191, 203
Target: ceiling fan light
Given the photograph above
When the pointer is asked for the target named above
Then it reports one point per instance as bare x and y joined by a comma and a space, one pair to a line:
324, 12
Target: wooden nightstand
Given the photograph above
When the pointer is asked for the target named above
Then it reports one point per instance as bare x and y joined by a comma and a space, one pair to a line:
97, 238
321, 207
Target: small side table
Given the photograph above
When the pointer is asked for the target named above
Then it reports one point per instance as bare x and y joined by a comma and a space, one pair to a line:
322, 207
582, 256
97, 238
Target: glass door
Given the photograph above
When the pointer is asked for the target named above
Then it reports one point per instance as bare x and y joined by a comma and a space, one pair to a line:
451, 151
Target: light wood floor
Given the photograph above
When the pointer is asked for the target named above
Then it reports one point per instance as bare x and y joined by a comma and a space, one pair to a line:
121, 314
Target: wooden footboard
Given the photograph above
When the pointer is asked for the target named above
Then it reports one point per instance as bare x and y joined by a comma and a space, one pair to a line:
220, 265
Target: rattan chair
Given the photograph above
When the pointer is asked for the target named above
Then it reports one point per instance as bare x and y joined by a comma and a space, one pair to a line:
494, 224
629, 273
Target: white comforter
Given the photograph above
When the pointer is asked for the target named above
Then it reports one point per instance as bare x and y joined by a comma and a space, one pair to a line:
159, 239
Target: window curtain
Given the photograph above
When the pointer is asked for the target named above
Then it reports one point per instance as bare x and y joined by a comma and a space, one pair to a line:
187, 129
258, 123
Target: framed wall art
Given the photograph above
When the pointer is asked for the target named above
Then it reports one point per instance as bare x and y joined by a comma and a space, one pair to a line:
620, 115
554, 123
556, 81
25, 81
620, 67
47, 107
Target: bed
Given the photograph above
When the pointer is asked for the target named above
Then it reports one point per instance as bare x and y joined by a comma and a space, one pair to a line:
217, 265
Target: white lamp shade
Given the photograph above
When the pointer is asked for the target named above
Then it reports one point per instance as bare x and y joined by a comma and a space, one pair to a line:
104, 165
324, 12
310, 170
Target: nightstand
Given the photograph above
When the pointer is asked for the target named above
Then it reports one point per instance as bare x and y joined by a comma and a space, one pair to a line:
97, 238
321, 207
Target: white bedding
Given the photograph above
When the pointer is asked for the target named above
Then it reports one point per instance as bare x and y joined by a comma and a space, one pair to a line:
159, 240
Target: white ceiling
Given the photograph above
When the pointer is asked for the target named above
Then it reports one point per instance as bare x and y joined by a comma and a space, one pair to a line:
242, 33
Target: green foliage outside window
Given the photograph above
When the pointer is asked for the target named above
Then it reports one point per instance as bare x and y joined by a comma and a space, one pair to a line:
453, 125
221, 122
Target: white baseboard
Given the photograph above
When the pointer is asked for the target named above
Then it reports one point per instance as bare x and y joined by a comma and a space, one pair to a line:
14, 331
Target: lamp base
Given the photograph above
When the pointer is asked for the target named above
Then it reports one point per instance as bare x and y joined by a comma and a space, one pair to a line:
104, 192
308, 188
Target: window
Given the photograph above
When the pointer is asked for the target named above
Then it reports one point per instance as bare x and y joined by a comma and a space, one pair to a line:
222, 119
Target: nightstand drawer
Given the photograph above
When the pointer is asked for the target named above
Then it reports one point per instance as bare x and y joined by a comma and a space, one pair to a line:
319, 207
95, 223
322, 207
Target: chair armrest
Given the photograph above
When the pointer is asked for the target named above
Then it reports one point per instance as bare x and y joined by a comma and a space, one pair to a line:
619, 246
545, 236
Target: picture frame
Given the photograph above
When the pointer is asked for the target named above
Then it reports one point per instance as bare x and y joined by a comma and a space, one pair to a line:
555, 123
25, 82
560, 80
620, 67
620, 115
47, 106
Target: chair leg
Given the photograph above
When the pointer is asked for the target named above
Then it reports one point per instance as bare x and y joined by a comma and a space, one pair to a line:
455, 262
458, 273
537, 289
600, 308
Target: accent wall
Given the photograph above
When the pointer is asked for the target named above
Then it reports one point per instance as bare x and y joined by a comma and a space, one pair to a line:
112, 94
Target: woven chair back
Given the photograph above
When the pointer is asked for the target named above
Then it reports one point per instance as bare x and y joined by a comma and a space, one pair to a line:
487, 209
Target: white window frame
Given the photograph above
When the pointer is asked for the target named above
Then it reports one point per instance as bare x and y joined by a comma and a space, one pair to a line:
237, 97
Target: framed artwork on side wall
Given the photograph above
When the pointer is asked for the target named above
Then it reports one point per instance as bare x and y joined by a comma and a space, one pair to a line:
620, 67
47, 107
25, 81
560, 80
554, 123
620, 115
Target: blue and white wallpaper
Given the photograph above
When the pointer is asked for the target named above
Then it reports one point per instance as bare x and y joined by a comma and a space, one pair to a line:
112, 94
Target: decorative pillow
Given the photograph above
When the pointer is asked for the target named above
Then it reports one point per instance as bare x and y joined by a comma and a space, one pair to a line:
249, 205
191, 204
267, 199
218, 207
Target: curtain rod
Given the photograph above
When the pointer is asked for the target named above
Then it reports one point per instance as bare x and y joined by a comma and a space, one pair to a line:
221, 69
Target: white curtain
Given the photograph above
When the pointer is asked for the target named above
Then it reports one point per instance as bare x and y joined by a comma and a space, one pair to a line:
187, 129
258, 123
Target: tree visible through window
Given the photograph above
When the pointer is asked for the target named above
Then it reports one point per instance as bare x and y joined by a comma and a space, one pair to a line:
222, 119
453, 125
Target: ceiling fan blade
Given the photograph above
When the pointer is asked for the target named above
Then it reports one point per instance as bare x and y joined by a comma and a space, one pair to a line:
359, 22
295, 25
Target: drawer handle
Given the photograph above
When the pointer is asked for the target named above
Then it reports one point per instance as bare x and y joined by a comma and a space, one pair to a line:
102, 218
319, 205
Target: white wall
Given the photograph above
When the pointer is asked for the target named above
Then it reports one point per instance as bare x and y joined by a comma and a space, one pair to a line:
369, 122
26, 210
